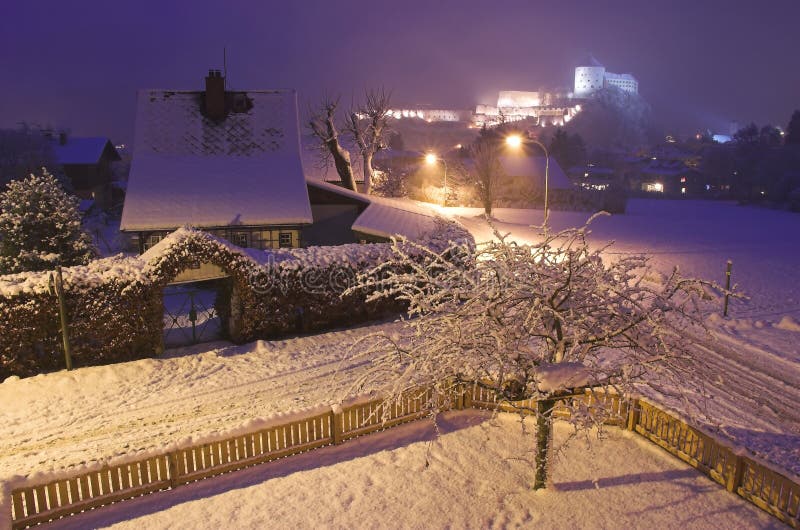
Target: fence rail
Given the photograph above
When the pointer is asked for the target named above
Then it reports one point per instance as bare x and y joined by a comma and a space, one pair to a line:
768, 489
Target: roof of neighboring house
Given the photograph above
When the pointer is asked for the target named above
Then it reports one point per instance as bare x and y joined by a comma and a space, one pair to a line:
534, 167
387, 217
664, 167
77, 150
188, 169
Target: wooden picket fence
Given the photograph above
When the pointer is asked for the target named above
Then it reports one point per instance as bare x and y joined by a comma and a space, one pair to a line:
766, 488
770, 490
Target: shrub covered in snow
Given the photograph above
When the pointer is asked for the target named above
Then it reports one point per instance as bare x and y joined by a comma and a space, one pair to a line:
40, 227
115, 314
115, 305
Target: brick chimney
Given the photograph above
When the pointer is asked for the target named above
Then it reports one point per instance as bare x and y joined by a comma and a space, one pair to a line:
215, 95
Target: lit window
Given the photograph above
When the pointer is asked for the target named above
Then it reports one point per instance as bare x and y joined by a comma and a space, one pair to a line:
285, 239
152, 240
239, 239
683, 179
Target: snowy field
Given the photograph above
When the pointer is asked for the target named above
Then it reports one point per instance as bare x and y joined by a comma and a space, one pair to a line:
756, 351
697, 236
60, 420
479, 476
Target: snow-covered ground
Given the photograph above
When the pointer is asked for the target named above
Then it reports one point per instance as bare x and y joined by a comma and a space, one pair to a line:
698, 236
479, 476
756, 354
65, 419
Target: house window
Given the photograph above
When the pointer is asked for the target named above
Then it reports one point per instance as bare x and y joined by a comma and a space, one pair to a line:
151, 240
239, 239
285, 239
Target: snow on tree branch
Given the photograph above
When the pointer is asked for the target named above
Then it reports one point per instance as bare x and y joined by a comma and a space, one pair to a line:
533, 322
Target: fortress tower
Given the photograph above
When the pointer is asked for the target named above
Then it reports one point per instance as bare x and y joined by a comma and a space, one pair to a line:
592, 76
589, 77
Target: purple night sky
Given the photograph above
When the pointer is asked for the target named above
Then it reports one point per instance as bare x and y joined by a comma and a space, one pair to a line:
78, 64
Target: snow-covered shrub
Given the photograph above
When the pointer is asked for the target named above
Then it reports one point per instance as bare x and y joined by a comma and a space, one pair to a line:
40, 227
275, 292
115, 305
114, 311
532, 322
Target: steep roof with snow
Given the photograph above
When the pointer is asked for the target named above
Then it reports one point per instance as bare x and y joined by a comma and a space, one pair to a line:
533, 167
390, 217
78, 150
387, 217
243, 170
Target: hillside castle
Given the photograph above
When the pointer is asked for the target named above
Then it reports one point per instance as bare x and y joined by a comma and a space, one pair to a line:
546, 107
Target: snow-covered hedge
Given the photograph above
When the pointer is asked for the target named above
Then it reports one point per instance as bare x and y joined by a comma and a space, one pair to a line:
115, 305
114, 310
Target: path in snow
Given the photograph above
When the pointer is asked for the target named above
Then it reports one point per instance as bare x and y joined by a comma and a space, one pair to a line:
67, 418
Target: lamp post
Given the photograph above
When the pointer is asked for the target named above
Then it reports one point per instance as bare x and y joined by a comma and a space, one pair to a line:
431, 159
515, 141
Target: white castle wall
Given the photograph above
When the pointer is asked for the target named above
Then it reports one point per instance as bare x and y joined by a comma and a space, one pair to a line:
588, 79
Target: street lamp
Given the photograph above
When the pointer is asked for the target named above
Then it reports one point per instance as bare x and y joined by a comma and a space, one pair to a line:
515, 141
431, 159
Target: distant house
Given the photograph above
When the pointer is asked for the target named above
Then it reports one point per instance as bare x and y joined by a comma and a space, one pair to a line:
524, 177
87, 163
229, 163
530, 170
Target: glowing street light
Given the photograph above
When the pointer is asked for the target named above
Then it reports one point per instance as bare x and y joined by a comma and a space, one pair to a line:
515, 141
431, 159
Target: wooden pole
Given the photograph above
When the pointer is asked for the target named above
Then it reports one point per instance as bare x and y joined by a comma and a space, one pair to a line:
727, 287
57, 285
544, 435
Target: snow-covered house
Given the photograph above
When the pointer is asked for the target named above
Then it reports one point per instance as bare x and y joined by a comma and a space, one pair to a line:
529, 172
229, 163
87, 163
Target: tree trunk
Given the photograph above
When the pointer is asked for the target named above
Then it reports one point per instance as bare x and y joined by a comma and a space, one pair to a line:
487, 206
544, 436
341, 160
367, 173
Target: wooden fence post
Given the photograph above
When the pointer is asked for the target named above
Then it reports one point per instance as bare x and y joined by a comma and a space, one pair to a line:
172, 457
633, 414
457, 395
336, 422
736, 470
57, 288
727, 287
466, 396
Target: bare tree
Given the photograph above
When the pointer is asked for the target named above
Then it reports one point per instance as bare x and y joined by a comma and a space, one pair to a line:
369, 126
322, 123
534, 322
486, 168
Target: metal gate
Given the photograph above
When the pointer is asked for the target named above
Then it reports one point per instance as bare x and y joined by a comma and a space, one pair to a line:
189, 314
